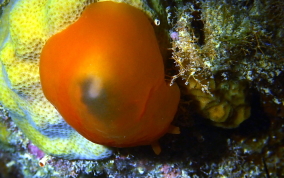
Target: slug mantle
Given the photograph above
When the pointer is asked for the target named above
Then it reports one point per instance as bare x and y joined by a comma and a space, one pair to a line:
105, 75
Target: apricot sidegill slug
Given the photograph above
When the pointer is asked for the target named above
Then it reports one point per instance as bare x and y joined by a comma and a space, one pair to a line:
105, 75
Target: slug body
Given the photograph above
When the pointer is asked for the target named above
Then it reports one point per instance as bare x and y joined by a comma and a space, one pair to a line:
105, 76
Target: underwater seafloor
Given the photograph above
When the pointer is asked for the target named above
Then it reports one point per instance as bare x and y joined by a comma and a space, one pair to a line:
239, 41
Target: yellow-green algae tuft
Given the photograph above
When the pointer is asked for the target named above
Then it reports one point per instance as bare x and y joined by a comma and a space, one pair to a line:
4, 134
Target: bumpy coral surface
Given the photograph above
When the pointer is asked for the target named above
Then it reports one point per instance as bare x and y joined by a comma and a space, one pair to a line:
25, 27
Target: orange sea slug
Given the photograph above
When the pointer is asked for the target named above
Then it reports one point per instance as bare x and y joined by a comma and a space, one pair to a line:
105, 75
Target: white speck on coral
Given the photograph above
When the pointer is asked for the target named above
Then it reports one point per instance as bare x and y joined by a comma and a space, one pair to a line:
174, 36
